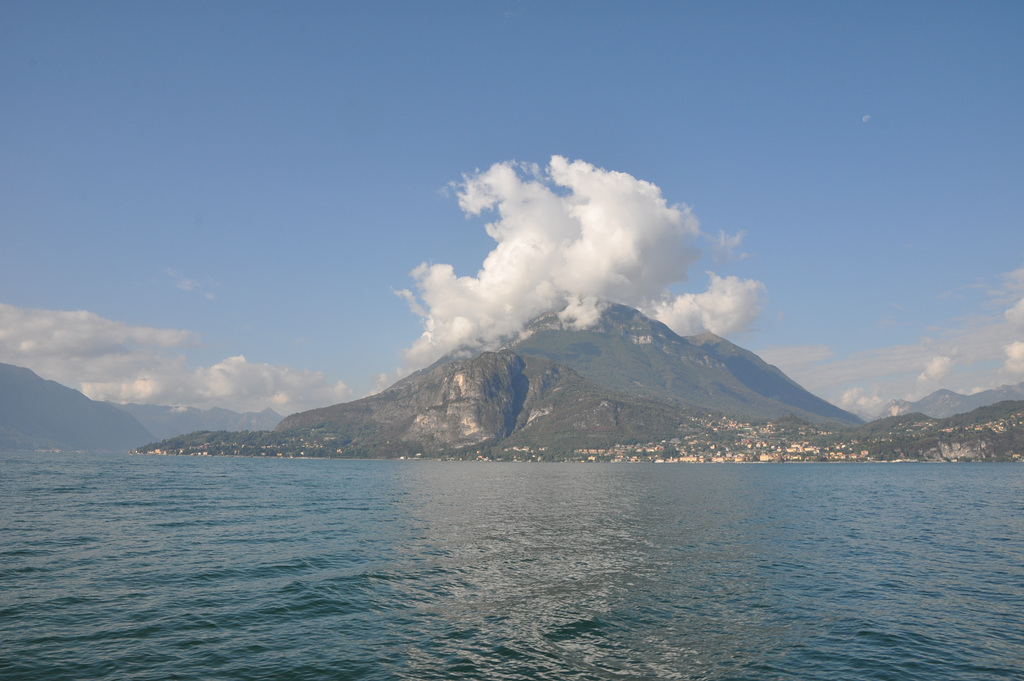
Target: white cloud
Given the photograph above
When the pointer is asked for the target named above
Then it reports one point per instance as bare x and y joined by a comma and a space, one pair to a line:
233, 381
1015, 315
937, 369
865, 118
570, 237
582, 313
729, 305
858, 401
58, 337
110, 360
1015, 357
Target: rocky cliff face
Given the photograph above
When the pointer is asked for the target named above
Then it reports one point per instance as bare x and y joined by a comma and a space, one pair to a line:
895, 408
976, 450
493, 397
475, 401
454, 405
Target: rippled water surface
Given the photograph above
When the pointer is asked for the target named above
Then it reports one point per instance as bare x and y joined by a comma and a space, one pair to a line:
116, 567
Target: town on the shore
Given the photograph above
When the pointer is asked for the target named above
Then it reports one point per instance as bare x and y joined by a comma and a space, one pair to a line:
990, 434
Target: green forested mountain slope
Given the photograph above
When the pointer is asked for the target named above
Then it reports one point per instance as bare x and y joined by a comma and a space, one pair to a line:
628, 352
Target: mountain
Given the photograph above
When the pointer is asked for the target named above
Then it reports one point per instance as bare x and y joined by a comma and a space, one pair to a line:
944, 403
896, 408
496, 396
993, 432
624, 379
165, 422
40, 414
628, 352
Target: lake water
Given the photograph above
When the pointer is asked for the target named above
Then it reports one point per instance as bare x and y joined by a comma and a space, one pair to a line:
117, 567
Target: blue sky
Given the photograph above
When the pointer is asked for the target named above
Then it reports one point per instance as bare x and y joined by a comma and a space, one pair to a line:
228, 204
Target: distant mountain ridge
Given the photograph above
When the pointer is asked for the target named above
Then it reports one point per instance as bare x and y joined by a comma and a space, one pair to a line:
39, 414
36, 413
165, 422
945, 403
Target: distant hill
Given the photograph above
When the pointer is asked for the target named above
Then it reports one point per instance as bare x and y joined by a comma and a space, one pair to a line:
944, 403
628, 352
490, 398
994, 432
165, 422
40, 414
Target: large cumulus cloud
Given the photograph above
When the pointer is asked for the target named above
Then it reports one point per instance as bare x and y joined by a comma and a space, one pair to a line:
570, 237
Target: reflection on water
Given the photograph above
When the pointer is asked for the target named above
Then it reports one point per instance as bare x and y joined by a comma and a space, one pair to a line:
152, 568
599, 569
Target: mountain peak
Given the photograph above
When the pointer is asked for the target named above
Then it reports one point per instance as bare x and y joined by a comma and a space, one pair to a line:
624, 377
704, 338
627, 351
944, 403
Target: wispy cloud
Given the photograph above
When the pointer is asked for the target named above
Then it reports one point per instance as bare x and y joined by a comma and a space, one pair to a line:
724, 247
985, 351
191, 285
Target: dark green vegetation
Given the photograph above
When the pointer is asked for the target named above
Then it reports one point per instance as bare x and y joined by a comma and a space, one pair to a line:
994, 433
40, 414
991, 433
628, 352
